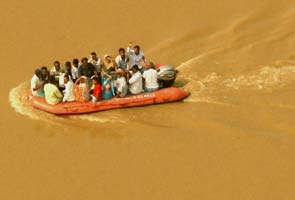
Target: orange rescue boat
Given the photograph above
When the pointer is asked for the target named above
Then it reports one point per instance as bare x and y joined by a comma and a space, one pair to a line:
166, 95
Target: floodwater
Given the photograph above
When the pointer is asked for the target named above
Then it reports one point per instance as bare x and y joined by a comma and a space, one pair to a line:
233, 138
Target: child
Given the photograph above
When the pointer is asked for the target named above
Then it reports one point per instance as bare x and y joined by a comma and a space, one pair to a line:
96, 92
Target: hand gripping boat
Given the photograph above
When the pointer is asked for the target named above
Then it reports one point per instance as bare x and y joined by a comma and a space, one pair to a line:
166, 95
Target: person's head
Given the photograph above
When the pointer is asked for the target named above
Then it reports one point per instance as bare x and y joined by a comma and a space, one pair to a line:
76, 62
38, 72
84, 61
68, 66
51, 79
56, 65
66, 78
108, 58
95, 80
135, 68
44, 71
136, 49
93, 55
149, 65
122, 52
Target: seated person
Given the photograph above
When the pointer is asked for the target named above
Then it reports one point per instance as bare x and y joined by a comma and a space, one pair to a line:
82, 89
56, 70
135, 82
96, 92
87, 69
45, 74
109, 65
150, 78
69, 70
122, 60
69, 92
107, 85
121, 83
52, 94
37, 84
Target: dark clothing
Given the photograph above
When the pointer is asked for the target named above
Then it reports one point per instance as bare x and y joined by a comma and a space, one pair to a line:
87, 71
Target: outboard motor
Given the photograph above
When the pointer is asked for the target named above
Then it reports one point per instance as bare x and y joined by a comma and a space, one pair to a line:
166, 76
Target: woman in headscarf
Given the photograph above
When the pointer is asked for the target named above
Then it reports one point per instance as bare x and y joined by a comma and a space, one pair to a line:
108, 76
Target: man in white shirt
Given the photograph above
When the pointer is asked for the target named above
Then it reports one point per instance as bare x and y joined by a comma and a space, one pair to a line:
37, 84
135, 82
57, 71
121, 83
136, 56
150, 78
122, 60
69, 92
96, 61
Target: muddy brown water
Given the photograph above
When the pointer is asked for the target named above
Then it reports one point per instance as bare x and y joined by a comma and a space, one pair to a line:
233, 138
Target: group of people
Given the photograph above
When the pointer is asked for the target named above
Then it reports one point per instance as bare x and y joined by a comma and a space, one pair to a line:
95, 78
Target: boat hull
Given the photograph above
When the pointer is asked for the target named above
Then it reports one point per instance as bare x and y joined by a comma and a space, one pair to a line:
70, 108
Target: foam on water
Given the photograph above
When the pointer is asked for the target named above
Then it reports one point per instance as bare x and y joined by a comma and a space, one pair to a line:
19, 102
21, 105
264, 78
207, 88
94, 118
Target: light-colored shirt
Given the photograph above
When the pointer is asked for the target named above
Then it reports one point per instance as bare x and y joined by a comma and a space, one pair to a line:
135, 82
121, 85
57, 74
135, 59
52, 94
54, 72
35, 82
74, 72
69, 92
122, 63
150, 77
61, 81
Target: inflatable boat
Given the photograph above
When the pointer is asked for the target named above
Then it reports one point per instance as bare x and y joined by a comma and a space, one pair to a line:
165, 95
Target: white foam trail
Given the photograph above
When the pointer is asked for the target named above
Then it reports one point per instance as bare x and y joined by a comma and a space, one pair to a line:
93, 118
19, 103
266, 77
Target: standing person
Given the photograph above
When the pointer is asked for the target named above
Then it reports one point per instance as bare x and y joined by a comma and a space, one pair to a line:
96, 61
135, 82
69, 92
150, 78
37, 84
136, 56
52, 94
96, 93
75, 66
122, 60
121, 83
